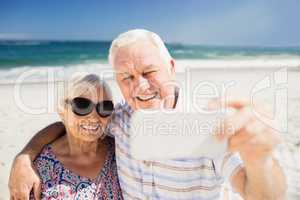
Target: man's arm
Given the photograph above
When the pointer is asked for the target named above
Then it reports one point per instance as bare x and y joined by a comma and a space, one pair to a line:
261, 180
43, 137
23, 178
261, 177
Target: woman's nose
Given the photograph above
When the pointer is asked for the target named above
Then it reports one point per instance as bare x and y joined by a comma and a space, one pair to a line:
93, 114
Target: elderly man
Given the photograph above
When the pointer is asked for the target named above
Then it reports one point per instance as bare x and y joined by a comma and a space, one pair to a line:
144, 70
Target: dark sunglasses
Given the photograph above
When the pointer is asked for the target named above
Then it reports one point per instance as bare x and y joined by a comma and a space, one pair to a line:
82, 107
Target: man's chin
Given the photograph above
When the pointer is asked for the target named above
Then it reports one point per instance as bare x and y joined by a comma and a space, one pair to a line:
153, 104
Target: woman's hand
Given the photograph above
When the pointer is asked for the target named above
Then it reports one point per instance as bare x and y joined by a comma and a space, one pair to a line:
23, 178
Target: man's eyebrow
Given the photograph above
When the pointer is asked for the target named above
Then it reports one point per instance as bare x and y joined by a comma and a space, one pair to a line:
151, 66
122, 73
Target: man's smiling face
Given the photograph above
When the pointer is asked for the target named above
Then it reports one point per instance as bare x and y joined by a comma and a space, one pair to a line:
144, 77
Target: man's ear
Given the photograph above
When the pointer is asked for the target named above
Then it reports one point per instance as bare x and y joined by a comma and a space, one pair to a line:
172, 62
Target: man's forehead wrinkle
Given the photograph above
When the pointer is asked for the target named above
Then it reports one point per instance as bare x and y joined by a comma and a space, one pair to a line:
134, 59
124, 71
140, 66
143, 53
124, 65
124, 55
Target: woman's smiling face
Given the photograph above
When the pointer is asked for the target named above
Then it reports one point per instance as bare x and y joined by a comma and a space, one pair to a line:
89, 127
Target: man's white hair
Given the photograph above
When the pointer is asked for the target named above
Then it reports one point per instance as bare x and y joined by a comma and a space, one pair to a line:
133, 36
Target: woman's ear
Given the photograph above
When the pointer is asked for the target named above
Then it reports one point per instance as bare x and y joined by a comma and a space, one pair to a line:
61, 114
61, 110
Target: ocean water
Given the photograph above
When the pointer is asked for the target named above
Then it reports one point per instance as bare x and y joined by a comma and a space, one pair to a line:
17, 57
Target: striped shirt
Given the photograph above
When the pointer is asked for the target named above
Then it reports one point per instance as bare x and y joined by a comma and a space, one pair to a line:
175, 179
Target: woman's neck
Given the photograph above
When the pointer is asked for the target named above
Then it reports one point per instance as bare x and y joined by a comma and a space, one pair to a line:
78, 147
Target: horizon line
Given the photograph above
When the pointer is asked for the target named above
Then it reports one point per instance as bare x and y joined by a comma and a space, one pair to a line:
167, 43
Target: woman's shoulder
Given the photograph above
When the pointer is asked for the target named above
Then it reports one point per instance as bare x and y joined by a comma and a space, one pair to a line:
111, 145
48, 159
46, 164
111, 157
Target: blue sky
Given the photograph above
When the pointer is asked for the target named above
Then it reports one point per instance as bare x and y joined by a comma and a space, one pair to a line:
228, 22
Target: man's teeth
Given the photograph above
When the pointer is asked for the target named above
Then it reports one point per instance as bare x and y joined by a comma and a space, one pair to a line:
147, 97
90, 128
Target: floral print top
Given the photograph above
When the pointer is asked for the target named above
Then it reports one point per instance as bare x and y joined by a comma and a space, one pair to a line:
61, 183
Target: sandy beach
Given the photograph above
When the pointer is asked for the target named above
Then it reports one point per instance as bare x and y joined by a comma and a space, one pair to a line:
18, 125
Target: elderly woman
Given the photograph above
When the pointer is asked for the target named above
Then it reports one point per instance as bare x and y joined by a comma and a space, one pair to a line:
81, 164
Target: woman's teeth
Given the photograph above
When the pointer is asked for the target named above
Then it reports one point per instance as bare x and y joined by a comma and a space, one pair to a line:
90, 128
147, 97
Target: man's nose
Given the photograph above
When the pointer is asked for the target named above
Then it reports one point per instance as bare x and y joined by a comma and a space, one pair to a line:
141, 85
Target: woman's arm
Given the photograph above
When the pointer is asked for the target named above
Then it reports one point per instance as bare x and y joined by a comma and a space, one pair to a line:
23, 178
